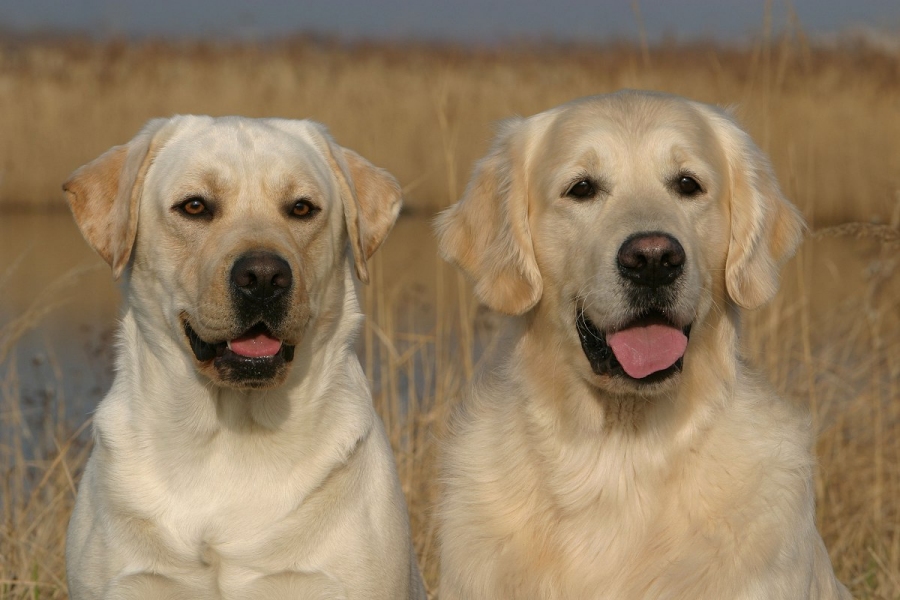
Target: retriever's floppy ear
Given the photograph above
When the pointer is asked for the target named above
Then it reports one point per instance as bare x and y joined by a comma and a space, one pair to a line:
486, 233
765, 227
105, 194
371, 198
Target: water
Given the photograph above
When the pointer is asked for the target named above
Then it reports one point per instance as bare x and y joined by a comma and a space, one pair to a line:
57, 312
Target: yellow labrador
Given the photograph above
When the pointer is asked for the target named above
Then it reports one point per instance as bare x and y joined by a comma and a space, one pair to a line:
618, 448
237, 454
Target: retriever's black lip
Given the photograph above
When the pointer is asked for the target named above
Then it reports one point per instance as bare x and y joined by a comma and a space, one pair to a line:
603, 360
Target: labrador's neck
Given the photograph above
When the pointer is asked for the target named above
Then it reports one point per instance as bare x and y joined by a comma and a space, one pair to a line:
325, 376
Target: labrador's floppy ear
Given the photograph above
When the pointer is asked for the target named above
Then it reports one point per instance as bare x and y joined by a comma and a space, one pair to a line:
105, 194
371, 198
486, 233
765, 227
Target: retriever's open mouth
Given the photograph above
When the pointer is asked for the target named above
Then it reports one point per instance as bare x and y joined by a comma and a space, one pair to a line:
647, 349
256, 345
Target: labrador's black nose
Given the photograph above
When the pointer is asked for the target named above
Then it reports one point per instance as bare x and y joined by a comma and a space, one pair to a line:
261, 276
653, 259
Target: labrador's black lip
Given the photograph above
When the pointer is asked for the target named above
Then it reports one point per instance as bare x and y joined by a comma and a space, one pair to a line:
203, 350
603, 360
206, 351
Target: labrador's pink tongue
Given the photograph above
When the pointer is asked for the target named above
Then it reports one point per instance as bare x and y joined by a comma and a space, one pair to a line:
646, 349
255, 345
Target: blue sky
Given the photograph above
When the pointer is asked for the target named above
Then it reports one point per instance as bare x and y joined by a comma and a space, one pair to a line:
460, 20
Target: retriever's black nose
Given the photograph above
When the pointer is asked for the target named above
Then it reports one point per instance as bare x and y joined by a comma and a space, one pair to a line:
261, 276
652, 259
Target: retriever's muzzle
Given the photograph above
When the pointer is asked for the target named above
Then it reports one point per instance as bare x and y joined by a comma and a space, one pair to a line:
650, 346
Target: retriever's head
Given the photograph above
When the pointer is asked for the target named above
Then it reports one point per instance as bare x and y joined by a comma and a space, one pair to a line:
621, 222
233, 233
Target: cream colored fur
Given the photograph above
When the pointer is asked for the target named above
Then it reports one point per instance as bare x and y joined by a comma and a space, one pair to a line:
563, 484
196, 489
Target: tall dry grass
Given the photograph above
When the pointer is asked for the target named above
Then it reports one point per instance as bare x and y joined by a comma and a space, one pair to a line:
831, 340
828, 116
39, 459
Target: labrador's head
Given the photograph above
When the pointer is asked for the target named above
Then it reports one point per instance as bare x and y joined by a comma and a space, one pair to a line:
621, 221
233, 234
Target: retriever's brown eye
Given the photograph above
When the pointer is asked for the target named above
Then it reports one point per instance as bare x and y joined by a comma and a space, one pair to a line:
687, 186
582, 190
195, 206
303, 209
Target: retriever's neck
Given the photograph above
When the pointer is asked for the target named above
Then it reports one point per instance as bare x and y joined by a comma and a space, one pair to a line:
560, 402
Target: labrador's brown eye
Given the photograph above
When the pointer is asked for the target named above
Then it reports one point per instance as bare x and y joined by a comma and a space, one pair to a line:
582, 190
195, 206
303, 209
687, 186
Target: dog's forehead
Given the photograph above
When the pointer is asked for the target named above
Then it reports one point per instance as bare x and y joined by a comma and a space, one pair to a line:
236, 148
646, 131
632, 120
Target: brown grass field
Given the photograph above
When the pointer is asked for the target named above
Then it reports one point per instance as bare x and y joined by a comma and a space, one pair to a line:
829, 117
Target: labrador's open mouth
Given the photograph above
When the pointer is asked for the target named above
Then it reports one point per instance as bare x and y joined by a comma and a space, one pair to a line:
647, 349
255, 343
253, 359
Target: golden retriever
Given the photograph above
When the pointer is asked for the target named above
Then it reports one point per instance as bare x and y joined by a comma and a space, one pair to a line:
237, 454
618, 447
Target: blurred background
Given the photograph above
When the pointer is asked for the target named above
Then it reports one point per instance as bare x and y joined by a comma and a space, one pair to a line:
416, 87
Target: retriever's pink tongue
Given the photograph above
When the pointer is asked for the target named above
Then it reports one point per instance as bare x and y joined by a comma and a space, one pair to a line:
646, 349
255, 345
